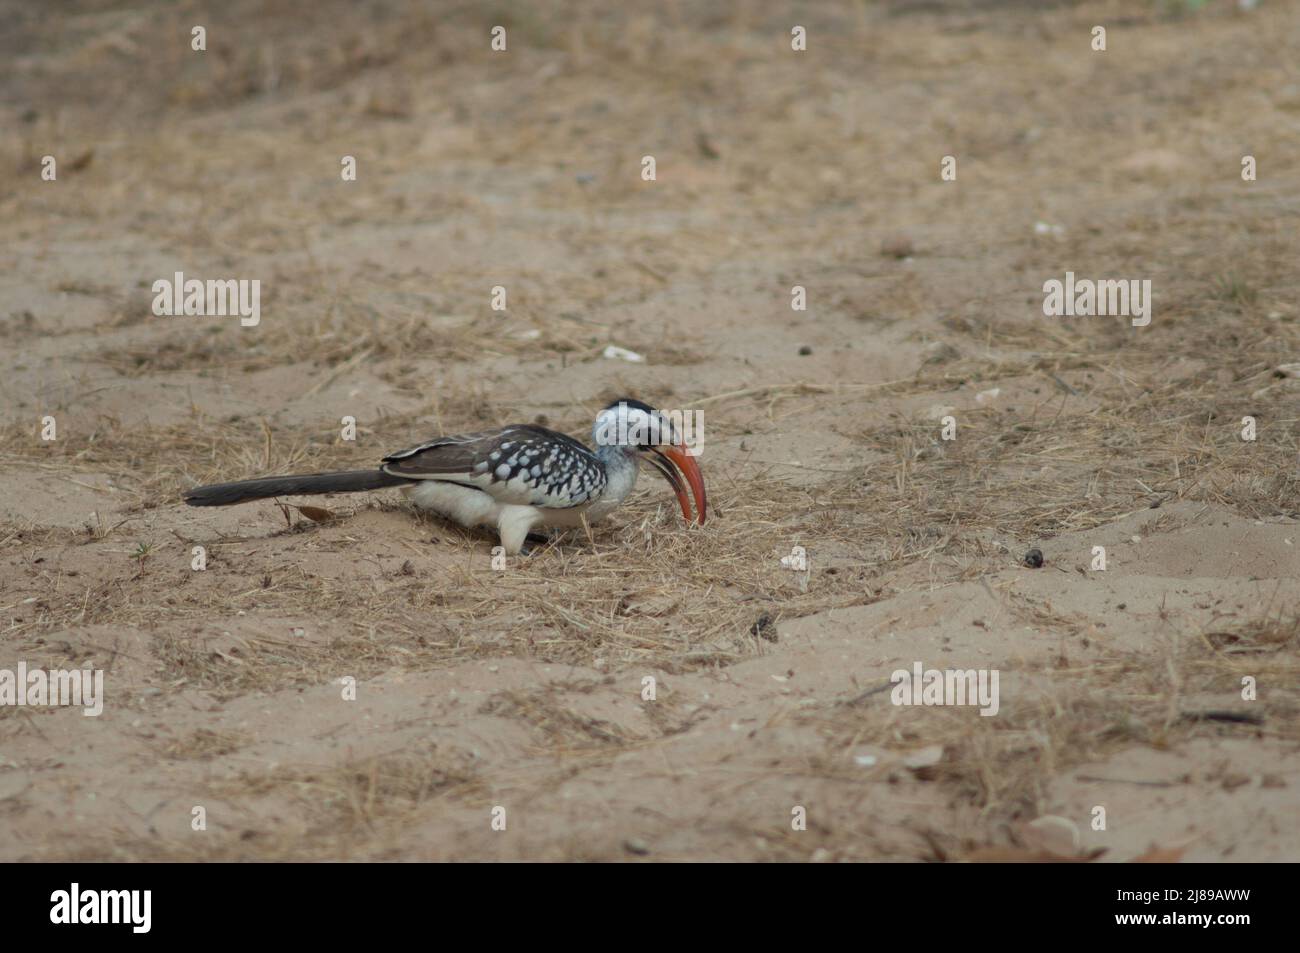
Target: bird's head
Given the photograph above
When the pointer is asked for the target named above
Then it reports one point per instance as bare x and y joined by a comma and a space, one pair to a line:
648, 434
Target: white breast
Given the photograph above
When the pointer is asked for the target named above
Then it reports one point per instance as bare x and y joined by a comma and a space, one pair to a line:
512, 521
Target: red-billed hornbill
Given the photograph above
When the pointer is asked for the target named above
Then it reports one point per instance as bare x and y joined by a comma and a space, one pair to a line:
516, 479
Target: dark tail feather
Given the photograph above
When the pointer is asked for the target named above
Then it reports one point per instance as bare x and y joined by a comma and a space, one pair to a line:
350, 481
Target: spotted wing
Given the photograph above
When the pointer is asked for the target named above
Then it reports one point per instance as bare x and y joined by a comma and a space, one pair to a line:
524, 465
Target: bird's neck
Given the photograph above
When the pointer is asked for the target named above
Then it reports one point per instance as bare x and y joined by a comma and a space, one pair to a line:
620, 472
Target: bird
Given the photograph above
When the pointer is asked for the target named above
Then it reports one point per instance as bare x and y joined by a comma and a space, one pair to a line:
516, 479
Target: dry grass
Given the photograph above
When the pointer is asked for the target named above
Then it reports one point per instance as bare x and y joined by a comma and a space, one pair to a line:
1071, 715
1109, 434
339, 811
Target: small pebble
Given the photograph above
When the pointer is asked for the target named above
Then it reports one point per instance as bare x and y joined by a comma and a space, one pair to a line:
763, 628
1034, 559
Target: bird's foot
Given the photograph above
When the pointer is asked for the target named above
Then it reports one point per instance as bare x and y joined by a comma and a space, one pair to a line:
539, 542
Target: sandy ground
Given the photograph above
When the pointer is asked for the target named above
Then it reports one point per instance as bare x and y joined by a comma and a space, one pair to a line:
483, 693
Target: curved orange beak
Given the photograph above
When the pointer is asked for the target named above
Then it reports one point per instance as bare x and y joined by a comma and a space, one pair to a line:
673, 462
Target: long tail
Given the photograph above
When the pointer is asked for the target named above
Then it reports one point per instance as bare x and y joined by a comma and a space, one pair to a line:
348, 481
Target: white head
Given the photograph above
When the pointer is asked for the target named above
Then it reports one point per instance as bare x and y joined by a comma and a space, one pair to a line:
633, 426
630, 428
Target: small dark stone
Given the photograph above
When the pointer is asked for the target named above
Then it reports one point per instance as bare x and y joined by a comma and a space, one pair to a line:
1034, 559
763, 628
805, 351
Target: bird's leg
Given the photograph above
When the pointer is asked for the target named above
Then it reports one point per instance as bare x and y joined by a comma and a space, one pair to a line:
514, 525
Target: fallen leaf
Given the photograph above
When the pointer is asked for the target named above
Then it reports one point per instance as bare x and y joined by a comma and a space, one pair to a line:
82, 161
1020, 855
316, 514
1160, 855
897, 246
